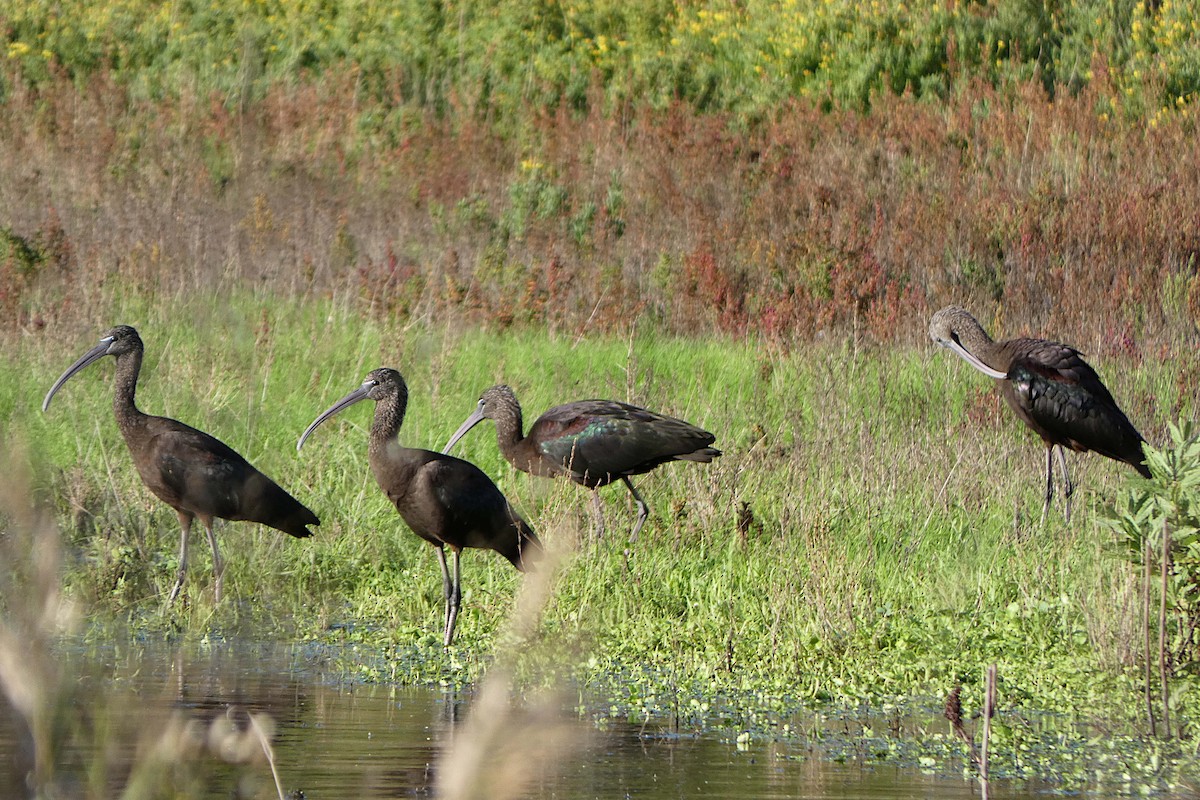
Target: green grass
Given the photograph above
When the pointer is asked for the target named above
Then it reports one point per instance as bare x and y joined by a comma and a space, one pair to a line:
892, 547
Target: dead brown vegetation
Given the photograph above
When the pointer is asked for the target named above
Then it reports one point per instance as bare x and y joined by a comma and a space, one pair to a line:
811, 223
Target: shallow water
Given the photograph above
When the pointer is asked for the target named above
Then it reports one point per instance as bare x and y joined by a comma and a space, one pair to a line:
123, 708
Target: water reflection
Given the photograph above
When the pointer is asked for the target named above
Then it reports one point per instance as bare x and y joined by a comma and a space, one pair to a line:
332, 738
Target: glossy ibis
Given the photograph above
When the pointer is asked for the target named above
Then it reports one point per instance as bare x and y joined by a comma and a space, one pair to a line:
446, 501
1052, 389
592, 442
192, 472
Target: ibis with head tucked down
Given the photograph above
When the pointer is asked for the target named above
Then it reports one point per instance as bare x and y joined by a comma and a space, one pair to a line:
1052, 390
194, 473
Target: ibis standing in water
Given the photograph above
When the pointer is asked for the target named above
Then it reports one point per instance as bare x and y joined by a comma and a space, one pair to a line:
1052, 389
192, 472
446, 501
592, 442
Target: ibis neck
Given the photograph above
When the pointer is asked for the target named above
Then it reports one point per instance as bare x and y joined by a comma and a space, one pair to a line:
509, 430
129, 365
389, 416
975, 340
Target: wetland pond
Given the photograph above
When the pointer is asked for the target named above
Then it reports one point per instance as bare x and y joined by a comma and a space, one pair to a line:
335, 737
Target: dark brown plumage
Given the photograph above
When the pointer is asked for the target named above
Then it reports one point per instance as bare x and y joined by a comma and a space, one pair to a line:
1053, 391
446, 501
194, 473
592, 442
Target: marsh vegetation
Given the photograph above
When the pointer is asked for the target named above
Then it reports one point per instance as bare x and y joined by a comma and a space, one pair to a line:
660, 205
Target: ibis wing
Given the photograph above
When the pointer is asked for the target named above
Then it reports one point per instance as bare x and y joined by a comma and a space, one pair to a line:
453, 502
1064, 397
605, 439
1059, 363
191, 470
194, 471
470, 499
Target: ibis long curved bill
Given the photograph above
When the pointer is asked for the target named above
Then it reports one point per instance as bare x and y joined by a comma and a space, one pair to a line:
90, 357
478, 416
955, 346
361, 393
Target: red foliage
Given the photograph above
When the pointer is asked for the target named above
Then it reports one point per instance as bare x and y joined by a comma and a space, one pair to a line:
805, 223
714, 293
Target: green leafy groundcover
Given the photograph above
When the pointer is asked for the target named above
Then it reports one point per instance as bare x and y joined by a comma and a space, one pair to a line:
1059, 721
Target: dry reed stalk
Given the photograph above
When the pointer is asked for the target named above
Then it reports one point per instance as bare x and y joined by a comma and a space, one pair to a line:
508, 741
33, 613
1165, 574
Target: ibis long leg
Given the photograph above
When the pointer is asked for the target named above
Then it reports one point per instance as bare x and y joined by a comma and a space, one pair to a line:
598, 512
185, 524
1049, 481
643, 511
455, 599
446, 588
218, 564
1068, 487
